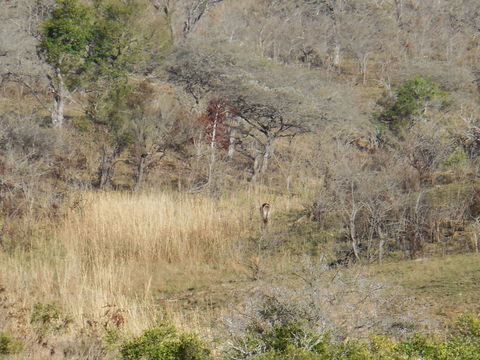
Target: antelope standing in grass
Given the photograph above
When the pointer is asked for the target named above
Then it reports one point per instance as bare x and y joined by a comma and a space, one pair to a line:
265, 214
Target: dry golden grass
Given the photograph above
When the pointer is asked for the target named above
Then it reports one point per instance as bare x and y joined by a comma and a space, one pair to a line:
157, 227
122, 250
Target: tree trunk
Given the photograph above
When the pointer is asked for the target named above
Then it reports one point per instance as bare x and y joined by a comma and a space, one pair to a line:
399, 12
213, 151
337, 55
267, 155
475, 241
140, 172
289, 179
231, 144
59, 94
353, 237
364, 67
256, 167
381, 243
105, 172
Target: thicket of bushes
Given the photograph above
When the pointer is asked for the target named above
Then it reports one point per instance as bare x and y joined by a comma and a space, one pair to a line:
275, 331
294, 341
164, 342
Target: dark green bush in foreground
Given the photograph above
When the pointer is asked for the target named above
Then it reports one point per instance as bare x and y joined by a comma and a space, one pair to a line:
292, 341
9, 345
164, 343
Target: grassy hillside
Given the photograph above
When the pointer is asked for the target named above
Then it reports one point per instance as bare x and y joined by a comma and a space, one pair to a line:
139, 138
450, 285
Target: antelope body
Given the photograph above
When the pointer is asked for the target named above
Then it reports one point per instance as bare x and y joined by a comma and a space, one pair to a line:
265, 213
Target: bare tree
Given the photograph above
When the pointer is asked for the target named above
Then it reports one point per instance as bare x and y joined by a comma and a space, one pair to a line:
186, 13
267, 116
149, 128
263, 108
316, 303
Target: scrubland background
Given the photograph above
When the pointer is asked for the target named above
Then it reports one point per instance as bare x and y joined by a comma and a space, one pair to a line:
139, 138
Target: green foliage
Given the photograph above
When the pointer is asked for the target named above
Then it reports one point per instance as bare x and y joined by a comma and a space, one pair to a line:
458, 158
164, 343
417, 346
291, 352
47, 317
280, 338
110, 109
468, 326
88, 43
83, 125
9, 345
292, 341
99, 47
116, 43
44, 314
412, 100
279, 331
382, 347
111, 338
65, 39
465, 341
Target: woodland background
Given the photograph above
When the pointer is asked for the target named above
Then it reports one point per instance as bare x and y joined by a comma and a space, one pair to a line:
139, 137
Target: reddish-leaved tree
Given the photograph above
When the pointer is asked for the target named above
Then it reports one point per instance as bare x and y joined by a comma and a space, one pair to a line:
214, 125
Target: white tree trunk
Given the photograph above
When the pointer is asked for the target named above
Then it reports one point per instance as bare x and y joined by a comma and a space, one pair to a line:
337, 55
268, 153
256, 167
364, 66
213, 151
232, 138
353, 235
59, 94
231, 144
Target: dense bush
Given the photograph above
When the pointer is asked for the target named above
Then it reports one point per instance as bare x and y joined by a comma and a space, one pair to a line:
463, 344
9, 345
164, 343
413, 99
48, 318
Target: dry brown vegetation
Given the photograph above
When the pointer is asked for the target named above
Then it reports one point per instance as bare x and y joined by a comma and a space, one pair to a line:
107, 263
357, 121
120, 261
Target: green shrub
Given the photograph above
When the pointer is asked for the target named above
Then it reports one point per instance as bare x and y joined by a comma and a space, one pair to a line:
282, 343
277, 334
465, 341
44, 314
468, 326
411, 100
418, 346
290, 353
382, 348
164, 343
9, 345
82, 124
282, 337
111, 338
47, 317
459, 157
